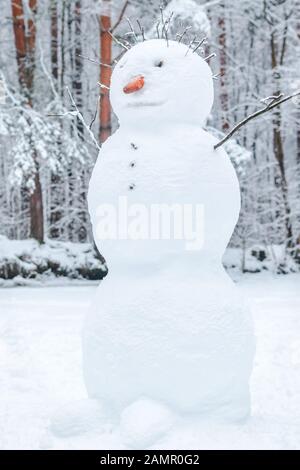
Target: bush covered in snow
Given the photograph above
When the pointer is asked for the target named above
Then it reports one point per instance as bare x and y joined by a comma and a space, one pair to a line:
258, 258
30, 260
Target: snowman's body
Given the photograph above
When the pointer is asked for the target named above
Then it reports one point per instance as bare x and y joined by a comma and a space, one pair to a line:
167, 322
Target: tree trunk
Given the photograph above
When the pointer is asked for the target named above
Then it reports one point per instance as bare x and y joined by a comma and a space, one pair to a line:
25, 52
36, 211
55, 205
20, 39
279, 149
223, 64
36, 198
105, 72
62, 48
30, 48
54, 40
77, 83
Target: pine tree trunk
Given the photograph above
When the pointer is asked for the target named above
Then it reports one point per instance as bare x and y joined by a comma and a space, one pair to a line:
36, 198
20, 39
25, 53
105, 72
30, 50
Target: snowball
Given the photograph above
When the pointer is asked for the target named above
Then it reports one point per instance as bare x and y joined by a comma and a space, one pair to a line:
144, 422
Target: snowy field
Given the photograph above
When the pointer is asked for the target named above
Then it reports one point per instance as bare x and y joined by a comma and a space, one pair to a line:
40, 360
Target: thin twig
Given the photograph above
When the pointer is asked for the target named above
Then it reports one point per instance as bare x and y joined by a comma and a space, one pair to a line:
94, 61
118, 41
271, 99
49, 77
132, 29
101, 85
162, 19
216, 76
190, 45
199, 45
120, 17
95, 114
81, 118
157, 29
260, 112
167, 26
181, 36
141, 28
118, 57
210, 56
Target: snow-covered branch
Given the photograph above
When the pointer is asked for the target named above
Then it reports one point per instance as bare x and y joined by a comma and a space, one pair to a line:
274, 102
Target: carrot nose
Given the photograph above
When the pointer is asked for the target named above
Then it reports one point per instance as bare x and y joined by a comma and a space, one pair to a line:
134, 85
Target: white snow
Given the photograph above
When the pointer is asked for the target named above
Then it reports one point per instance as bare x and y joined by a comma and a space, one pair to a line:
40, 361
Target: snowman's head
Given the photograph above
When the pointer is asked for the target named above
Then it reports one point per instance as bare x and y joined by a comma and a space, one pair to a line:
161, 81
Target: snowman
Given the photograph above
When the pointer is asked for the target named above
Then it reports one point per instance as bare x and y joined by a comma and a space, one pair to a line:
168, 333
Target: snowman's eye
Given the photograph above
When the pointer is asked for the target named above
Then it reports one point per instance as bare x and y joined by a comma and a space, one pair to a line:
159, 63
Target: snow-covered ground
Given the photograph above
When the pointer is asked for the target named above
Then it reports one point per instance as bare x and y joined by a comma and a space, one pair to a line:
40, 361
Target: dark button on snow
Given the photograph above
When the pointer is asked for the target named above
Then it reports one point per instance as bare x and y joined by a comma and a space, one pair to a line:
132, 186
132, 164
134, 146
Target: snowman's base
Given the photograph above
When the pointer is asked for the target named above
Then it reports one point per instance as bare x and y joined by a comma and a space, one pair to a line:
140, 425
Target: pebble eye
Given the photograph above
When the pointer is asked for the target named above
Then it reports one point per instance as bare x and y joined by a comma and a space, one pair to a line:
160, 63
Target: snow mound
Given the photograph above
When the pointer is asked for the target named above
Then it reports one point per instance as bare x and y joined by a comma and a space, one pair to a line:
144, 422
27, 259
79, 417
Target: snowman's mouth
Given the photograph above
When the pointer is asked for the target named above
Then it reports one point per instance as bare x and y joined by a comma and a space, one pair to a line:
140, 104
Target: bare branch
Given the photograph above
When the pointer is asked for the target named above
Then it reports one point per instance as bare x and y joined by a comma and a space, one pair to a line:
181, 36
273, 104
210, 56
101, 85
117, 41
95, 114
141, 28
190, 45
216, 76
167, 26
81, 118
203, 41
271, 99
157, 29
49, 77
120, 17
118, 57
162, 19
94, 61
132, 29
